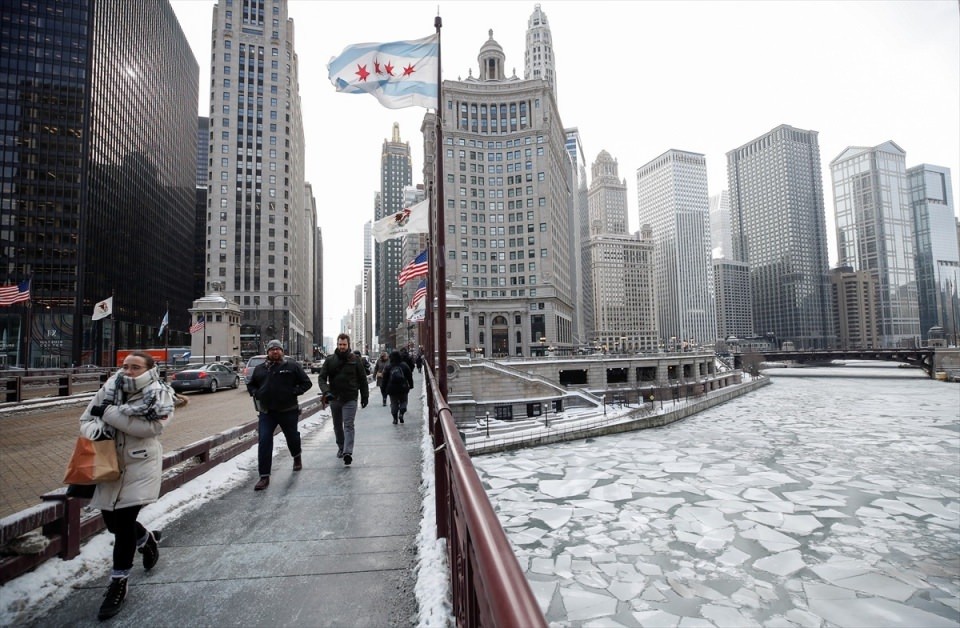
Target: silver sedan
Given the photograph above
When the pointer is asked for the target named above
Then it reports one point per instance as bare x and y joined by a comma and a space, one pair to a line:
209, 377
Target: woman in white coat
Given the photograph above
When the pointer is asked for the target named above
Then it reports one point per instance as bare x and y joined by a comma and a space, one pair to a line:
132, 407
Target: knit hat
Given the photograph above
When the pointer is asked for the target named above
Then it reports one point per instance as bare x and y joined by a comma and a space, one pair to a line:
274, 344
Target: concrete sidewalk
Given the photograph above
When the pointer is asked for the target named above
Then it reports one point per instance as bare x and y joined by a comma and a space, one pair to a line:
327, 546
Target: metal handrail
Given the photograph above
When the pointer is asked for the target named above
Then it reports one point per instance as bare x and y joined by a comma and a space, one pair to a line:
487, 584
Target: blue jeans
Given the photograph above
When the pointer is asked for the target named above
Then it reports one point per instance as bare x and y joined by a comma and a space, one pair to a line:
267, 426
343, 415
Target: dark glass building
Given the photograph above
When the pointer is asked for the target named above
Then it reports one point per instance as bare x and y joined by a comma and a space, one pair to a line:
396, 172
98, 104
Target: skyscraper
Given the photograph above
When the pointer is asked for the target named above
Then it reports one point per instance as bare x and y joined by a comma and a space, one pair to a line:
731, 280
621, 267
875, 233
672, 199
98, 101
779, 231
538, 59
368, 307
937, 256
854, 307
506, 207
720, 232
256, 225
607, 197
579, 235
396, 172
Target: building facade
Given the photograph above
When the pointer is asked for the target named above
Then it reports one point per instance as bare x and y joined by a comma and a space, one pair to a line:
672, 198
937, 257
875, 233
538, 59
396, 173
734, 305
370, 340
624, 298
606, 197
97, 177
506, 207
579, 235
779, 229
256, 220
720, 226
854, 307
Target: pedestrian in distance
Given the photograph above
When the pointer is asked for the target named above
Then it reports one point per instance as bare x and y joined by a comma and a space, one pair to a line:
407, 358
399, 378
132, 407
275, 385
342, 377
378, 370
419, 360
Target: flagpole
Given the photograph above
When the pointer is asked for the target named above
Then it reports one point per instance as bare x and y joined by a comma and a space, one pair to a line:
439, 260
166, 335
29, 330
112, 358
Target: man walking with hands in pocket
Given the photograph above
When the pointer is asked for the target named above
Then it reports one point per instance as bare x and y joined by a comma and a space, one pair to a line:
275, 386
342, 376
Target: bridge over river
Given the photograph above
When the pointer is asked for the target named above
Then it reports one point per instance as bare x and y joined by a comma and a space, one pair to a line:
930, 359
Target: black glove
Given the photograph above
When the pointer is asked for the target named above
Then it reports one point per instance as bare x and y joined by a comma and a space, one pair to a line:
98, 410
363, 403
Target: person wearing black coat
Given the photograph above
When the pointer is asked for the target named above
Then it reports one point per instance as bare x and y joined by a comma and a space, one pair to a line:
398, 386
342, 378
275, 386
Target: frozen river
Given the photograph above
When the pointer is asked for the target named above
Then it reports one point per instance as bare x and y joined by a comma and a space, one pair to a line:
829, 498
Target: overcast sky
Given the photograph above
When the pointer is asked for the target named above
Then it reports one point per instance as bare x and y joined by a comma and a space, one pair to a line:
637, 79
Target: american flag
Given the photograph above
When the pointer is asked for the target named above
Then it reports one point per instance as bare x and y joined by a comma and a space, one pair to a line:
15, 293
419, 294
198, 325
416, 268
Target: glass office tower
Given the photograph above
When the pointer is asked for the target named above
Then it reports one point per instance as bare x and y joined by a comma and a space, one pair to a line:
778, 229
937, 257
875, 233
98, 102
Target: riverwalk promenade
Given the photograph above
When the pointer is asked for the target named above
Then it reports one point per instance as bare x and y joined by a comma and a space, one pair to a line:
331, 545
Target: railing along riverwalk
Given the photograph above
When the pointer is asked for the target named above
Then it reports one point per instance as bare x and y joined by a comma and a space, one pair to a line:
64, 524
488, 586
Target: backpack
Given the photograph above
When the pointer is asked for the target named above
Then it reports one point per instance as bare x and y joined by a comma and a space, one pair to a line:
397, 381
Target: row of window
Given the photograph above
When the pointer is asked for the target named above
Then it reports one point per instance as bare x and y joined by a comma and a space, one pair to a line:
498, 144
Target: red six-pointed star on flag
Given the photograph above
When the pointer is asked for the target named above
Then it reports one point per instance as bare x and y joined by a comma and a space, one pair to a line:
407, 71
388, 68
362, 72
376, 66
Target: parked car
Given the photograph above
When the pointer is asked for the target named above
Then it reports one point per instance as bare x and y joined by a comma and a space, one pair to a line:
252, 363
209, 377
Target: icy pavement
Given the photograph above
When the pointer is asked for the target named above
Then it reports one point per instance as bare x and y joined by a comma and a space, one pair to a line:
812, 502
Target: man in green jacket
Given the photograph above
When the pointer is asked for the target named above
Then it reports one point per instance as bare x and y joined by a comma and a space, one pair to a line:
342, 376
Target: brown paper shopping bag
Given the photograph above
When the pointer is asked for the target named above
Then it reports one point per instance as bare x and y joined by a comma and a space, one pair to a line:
92, 461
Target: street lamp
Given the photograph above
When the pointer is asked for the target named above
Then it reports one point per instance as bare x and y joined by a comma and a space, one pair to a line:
543, 343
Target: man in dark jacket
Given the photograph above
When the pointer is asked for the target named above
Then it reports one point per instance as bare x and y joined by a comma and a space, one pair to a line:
275, 386
342, 376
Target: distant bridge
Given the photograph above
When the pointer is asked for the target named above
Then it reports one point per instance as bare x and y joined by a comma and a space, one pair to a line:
922, 358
